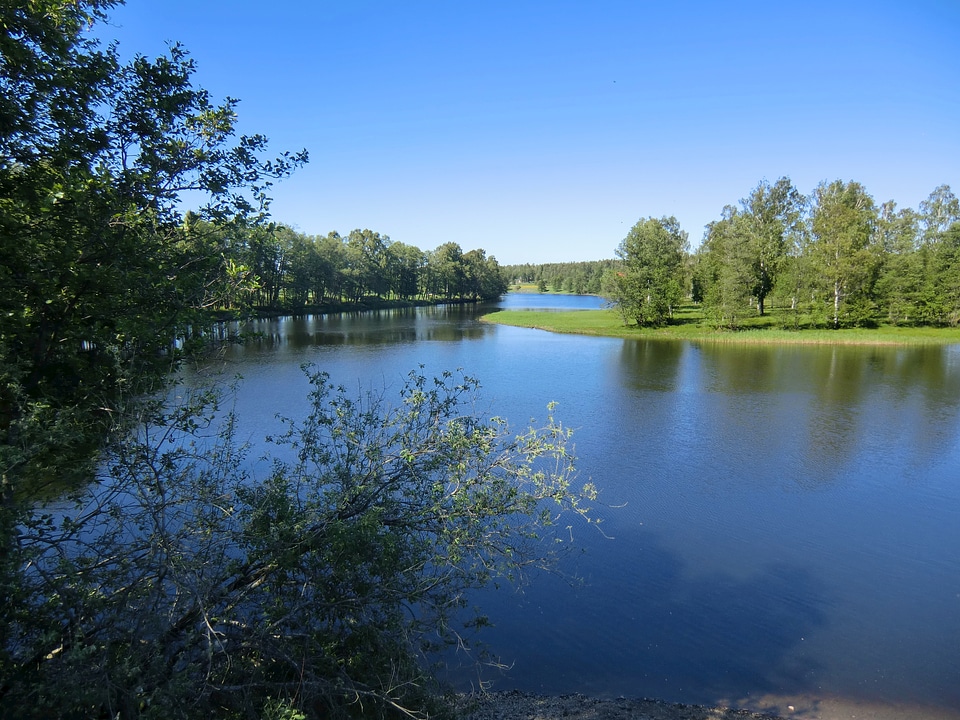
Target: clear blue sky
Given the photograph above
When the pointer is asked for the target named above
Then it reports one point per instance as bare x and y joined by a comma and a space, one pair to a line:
542, 131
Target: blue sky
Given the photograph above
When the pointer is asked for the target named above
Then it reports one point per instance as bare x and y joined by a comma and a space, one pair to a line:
542, 131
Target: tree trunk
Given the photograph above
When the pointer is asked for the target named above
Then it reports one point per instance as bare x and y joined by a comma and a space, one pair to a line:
837, 285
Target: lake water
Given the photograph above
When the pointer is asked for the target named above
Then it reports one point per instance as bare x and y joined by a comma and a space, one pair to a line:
783, 522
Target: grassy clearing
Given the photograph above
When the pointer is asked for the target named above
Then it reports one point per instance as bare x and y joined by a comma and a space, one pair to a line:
534, 288
689, 325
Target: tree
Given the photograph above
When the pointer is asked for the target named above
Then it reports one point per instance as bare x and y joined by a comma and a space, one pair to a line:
185, 584
843, 225
446, 271
368, 252
482, 277
938, 212
724, 276
938, 217
650, 282
770, 214
101, 279
901, 282
407, 262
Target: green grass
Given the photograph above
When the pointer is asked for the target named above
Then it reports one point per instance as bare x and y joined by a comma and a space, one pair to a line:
534, 288
688, 324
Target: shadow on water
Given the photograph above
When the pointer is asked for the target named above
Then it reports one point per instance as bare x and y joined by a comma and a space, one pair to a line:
650, 629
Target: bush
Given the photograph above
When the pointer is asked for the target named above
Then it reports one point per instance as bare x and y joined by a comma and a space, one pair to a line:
182, 585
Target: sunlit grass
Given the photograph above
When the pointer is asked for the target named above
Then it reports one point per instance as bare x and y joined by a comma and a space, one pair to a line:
528, 288
689, 325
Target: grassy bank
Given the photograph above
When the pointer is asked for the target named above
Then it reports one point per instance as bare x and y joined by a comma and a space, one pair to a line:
690, 325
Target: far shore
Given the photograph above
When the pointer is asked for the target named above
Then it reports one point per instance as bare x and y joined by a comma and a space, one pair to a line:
687, 326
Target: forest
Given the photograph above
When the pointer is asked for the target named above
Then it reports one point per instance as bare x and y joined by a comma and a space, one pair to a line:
276, 268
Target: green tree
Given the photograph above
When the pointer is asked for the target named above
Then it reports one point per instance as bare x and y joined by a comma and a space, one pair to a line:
649, 285
769, 216
938, 213
900, 287
407, 263
843, 227
367, 252
483, 279
446, 271
938, 218
724, 272
329, 281
185, 583
302, 265
99, 275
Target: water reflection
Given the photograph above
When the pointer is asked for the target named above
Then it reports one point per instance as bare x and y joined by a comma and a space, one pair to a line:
447, 323
808, 412
676, 635
791, 514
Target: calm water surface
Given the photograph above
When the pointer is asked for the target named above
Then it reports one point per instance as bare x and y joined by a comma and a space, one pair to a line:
781, 521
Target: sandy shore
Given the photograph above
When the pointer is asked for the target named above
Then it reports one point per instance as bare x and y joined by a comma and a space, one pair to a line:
525, 706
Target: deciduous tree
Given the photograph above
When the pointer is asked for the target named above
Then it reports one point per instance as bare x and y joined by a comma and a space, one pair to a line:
769, 216
843, 225
649, 284
187, 583
99, 275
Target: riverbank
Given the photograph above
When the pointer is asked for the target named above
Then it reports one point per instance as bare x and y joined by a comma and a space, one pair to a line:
608, 323
526, 706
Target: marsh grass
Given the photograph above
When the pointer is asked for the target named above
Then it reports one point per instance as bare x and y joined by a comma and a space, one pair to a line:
689, 324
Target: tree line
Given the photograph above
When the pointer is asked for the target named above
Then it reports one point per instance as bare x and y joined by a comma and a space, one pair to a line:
282, 269
833, 258
580, 278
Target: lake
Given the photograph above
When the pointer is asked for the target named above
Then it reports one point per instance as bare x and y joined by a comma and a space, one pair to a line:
781, 523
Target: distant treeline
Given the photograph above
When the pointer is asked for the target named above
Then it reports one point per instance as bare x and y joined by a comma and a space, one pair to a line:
278, 268
582, 278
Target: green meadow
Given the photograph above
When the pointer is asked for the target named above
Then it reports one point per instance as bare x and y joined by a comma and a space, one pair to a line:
689, 324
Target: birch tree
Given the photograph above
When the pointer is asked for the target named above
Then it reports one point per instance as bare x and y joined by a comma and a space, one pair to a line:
843, 227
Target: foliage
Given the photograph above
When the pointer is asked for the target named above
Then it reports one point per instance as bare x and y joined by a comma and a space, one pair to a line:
183, 584
581, 278
833, 259
771, 216
649, 284
722, 276
744, 253
100, 276
843, 252
294, 271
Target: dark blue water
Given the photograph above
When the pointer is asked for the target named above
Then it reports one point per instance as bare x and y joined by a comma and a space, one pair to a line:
779, 521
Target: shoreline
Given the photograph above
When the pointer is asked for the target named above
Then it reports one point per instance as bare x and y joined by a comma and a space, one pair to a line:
605, 323
518, 705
